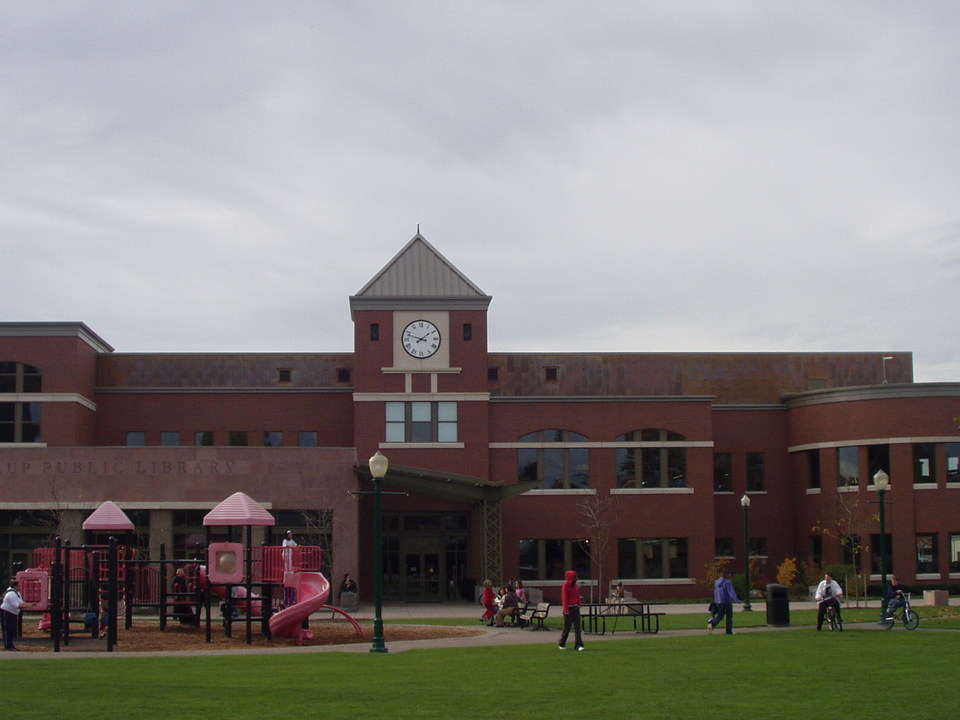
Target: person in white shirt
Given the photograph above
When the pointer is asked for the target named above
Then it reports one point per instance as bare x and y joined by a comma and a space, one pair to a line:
10, 611
289, 592
828, 594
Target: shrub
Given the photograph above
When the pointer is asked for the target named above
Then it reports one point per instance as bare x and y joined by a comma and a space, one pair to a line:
713, 571
811, 571
787, 572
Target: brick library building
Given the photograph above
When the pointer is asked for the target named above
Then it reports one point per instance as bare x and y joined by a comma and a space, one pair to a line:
640, 468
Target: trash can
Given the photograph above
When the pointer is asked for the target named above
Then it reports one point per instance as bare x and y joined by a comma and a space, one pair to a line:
778, 605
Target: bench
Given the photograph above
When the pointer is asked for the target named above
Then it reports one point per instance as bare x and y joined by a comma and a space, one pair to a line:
524, 615
538, 615
516, 617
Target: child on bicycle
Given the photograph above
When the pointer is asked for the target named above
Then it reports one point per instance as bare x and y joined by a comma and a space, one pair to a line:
828, 595
894, 595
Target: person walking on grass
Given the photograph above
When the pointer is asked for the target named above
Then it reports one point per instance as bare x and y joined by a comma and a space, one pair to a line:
724, 596
570, 595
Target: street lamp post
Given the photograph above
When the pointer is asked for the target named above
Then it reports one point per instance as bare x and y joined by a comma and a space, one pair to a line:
881, 481
378, 469
745, 504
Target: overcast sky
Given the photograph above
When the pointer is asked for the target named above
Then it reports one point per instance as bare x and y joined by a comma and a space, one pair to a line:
620, 176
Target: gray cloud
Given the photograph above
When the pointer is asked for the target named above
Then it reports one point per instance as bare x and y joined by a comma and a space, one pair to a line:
619, 176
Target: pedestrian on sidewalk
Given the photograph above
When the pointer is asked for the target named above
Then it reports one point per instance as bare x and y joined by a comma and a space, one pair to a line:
724, 596
10, 612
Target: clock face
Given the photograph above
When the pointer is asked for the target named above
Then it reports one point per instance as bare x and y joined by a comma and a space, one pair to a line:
421, 339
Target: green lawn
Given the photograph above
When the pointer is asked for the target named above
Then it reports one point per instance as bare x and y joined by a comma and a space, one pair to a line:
861, 673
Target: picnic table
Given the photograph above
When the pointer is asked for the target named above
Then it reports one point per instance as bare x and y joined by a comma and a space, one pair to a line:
637, 614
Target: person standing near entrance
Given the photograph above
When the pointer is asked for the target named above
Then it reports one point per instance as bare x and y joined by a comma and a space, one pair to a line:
10, 610
570, 597
724, 596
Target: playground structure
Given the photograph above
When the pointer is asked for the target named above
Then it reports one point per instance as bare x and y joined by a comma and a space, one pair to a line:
96, 586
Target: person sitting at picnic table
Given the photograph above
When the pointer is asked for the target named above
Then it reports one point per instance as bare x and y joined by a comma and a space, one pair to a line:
508, 605
521, 591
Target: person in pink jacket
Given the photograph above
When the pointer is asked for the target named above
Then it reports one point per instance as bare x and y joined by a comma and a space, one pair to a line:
570, 596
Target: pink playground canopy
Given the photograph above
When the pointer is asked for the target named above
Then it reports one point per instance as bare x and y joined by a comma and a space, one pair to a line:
239, 509
108, 517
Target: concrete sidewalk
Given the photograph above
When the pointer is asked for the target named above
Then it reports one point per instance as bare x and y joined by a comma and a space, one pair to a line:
413, 612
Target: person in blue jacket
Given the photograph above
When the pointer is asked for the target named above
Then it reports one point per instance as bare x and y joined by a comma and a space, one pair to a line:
724, 596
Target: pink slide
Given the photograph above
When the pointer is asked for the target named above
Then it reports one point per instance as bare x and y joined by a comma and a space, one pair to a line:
313, 589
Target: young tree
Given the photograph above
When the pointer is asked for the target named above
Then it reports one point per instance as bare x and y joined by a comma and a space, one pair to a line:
597, 515
851, 526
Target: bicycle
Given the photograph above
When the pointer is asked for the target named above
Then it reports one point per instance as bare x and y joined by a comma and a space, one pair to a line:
905, 614
832, 619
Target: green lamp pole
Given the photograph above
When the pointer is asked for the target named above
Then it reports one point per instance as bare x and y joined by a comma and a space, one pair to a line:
378, 469
745, 504
881, 481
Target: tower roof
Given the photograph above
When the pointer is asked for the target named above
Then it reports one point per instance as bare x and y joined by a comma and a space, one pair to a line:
419, 277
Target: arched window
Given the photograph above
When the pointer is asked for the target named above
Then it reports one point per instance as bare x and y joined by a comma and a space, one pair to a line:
19, 418
653, 461
554, 459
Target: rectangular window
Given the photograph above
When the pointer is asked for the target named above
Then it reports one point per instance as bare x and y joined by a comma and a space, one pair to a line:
493, 374
550, 559
848, 465
467, 332
850, 548
955, 552
816, 549
758, 547
374, 332
237, 438
927, 558
169, 438
136, 438
722, 472
421, 422
272, 438
284, 375
652, 558
20, 422
953, 462
878, 458
658, 467
924, 468
813, 469
551, 374
756, 473
875, 553
203, 438
8, 414
723, 547
307, 438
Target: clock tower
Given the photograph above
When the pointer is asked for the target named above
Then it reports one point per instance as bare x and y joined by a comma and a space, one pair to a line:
420, 364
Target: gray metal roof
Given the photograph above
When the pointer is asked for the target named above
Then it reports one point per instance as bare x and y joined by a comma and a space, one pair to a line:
419, 277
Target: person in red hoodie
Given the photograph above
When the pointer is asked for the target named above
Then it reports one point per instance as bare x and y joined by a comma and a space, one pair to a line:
570, 596
487, 601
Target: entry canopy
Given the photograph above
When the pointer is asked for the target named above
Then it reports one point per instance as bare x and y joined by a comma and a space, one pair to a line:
239, 509
108, 517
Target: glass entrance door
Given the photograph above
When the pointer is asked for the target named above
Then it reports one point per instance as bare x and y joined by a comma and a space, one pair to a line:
423, 579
